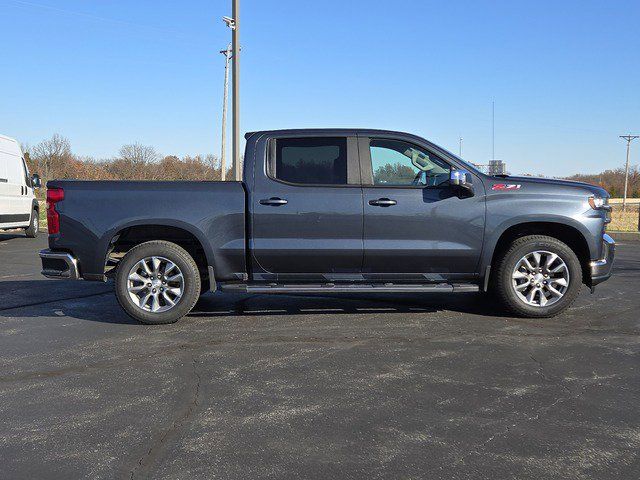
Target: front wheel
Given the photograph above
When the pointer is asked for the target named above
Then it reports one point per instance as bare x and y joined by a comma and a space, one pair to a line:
538, 276
157, 282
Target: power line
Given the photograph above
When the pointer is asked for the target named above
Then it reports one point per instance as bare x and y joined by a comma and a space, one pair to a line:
114, 21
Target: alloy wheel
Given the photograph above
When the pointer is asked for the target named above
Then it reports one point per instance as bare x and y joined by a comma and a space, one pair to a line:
155, 284
540, 278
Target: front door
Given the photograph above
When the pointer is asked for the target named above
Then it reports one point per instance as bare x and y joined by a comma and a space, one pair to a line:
415, 222
307, 209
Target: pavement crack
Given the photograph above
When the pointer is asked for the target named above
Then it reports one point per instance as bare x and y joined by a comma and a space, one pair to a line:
185, 411
541, 372
514, 422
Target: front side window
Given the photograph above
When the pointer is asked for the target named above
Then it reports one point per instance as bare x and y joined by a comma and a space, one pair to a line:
25, 171
397, 163
311, 161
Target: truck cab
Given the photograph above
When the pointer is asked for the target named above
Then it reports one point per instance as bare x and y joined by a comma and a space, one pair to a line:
334, 211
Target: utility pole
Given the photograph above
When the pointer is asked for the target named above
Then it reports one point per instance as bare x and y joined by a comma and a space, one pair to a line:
235, 37
234, 24
629, 138
223, 160
460, 148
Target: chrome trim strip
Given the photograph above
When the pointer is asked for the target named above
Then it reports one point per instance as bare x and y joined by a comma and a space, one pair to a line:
598, 263
610, 242
608, 239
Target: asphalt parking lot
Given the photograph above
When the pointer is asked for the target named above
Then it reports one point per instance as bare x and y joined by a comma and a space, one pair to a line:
391, 386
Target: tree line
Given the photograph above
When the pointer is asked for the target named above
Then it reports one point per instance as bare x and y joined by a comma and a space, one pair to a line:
54, 159
613, 181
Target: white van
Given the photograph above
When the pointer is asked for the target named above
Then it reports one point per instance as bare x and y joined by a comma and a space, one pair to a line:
18, 205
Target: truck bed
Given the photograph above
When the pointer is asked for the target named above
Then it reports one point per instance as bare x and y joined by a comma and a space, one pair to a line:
94, 213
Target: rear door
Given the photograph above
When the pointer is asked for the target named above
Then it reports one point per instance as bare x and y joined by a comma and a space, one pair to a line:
415, 222
307, 209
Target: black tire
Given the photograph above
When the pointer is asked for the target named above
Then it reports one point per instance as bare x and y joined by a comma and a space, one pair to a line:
184, 262
32, 230
505, 265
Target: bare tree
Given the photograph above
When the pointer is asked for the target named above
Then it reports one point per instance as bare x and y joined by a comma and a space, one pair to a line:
138, 154
51, 153
133, 161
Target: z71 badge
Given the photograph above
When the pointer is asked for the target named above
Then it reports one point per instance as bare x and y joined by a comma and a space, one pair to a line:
506, 186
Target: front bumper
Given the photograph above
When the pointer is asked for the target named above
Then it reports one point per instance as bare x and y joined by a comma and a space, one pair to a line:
59, 265
601, 269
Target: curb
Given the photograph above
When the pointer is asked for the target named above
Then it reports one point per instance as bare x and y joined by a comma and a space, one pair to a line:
625, 236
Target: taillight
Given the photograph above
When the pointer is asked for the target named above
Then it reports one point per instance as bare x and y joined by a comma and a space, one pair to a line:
54, 195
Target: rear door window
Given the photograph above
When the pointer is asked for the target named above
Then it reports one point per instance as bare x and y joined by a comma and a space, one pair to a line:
311, 161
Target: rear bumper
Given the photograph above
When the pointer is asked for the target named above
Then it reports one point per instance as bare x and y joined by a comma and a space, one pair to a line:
59, 265
601, 269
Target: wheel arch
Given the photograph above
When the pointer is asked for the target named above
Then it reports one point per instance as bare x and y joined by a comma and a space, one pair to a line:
122, 239
565, 231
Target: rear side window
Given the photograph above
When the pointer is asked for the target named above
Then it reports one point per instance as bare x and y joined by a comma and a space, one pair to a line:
311, 161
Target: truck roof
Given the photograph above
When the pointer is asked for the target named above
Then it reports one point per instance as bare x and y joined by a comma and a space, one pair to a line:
330, 131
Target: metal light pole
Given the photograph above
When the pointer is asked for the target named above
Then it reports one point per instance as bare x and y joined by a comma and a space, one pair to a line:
629, 138
223, 160
460, 148
235, 42
234, 24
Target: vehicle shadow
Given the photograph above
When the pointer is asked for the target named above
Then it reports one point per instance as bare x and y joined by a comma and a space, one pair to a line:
96, 302
220, 305
4, 236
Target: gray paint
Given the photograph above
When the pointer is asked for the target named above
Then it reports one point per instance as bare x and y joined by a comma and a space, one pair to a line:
92, 213
433, 233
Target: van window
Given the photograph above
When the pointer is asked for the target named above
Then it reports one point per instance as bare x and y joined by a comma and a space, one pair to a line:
311, 161
27, 179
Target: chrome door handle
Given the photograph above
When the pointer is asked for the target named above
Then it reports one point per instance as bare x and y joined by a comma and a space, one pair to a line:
274, 201
383, 202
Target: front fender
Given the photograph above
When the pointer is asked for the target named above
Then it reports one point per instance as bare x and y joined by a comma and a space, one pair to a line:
494, 233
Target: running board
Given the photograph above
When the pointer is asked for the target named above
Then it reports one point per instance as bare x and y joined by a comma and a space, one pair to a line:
351, 288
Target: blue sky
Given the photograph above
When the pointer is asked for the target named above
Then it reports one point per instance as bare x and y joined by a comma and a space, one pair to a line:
565, 75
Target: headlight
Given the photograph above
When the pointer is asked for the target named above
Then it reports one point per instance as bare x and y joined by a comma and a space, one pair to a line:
597, 202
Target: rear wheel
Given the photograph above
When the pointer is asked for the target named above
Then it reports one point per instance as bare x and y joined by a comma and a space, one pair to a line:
157, 282
32, 230
538, 276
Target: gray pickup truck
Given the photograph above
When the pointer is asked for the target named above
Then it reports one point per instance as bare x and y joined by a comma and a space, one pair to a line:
333, 210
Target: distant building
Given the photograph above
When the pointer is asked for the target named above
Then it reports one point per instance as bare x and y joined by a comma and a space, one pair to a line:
494, 167
497, 167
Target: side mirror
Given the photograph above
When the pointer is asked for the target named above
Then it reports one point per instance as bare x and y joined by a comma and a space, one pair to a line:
461, 179
35, 181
